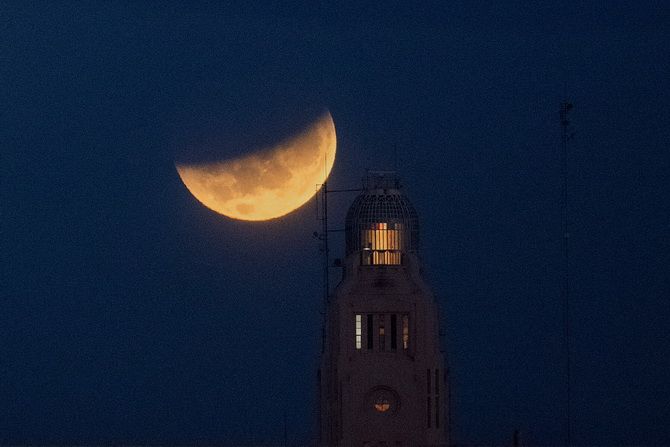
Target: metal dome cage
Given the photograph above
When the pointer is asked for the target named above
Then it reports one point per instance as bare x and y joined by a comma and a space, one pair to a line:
381, 224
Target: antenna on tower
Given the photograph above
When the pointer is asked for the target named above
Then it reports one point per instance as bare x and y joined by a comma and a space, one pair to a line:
323, 237
326, 258
322, 215
565, 109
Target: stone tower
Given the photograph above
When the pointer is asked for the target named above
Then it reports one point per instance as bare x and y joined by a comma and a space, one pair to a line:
382, 379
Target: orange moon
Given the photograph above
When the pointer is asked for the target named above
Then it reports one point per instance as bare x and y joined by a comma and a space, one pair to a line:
269, 183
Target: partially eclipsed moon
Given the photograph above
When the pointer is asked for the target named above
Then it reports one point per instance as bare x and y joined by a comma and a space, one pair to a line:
269, 183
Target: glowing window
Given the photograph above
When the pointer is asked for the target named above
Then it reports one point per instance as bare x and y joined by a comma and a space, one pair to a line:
382, 404
381, 244
359, 331
405, 332
383, 400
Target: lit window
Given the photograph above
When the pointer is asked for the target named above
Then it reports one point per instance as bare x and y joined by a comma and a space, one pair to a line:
382, 404
381, 244
405, 332
359, 331
383, 401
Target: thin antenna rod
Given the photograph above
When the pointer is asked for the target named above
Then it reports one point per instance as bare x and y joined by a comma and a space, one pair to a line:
323, 237
324, 248
566, 107
326, 254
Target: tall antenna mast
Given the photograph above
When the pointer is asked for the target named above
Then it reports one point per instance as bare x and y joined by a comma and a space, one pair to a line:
326, 250
566, 107
322, 215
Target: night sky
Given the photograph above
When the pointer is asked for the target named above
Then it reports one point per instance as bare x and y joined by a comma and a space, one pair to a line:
130, 313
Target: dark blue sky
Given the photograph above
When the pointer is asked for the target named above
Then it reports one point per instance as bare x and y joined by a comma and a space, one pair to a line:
131, 313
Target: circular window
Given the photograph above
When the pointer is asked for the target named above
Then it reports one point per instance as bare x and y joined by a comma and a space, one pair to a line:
383, 400
382, 404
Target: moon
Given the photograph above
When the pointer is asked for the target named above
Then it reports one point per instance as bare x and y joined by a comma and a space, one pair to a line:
269, 183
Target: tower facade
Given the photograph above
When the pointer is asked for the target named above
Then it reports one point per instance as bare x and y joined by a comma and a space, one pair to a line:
382, 377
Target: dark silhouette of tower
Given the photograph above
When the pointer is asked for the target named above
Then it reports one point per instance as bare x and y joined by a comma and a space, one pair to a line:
382, 380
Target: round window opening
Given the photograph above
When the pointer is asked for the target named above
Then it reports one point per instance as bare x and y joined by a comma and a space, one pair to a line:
382, 400
382, 404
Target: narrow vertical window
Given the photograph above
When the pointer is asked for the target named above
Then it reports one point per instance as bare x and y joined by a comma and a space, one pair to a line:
359, 331
428, 415
437, 381
382, 333
405, 332
394, 332
370, 331
437, 411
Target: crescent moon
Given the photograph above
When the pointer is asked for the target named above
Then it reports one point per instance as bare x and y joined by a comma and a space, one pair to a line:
269, 183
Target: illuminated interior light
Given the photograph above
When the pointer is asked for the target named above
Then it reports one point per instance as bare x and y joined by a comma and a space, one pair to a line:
382, 405
384, 243
359, 332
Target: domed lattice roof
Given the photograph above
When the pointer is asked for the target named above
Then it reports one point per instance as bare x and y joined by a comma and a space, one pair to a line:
382, 202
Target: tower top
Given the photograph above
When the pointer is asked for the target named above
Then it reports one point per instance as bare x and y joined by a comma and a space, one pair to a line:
381, 180
382, 219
